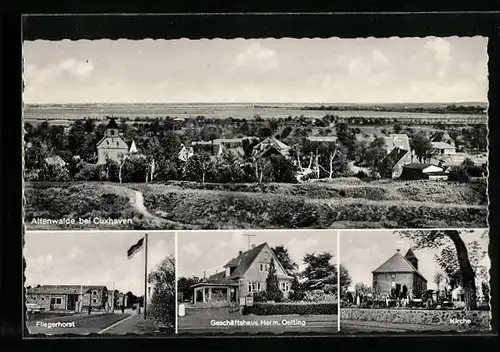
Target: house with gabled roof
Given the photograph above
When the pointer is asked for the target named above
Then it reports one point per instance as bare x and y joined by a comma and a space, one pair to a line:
401, 274
112, 146
67, 297
270, 146
243, 275
398, 153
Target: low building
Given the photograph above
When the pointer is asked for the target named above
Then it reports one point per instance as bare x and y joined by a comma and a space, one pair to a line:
421, 171
442, 148
55, 161
322, 139
399, 274
68, 297
270, 146
244, 275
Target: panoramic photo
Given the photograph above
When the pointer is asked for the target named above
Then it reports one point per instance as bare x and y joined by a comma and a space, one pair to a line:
256, 133
273, 282
81, 283
415, 281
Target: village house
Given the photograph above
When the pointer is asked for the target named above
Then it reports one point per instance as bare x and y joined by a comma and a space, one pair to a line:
244, 275
270, 146
55, 161
322, 139
67, 297
399, 273
398, 153
442, 148
421, 171
112, 146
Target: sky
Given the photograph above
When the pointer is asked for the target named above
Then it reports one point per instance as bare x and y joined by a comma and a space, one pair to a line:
363, 251
210, 251
364, 70
93, 258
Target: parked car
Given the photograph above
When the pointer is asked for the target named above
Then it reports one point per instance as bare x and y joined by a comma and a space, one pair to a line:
34, 308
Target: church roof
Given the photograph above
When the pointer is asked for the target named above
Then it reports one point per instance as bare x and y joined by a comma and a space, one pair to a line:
112, 124
398, 264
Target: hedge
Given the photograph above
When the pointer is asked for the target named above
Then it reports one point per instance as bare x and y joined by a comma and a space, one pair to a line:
291, 308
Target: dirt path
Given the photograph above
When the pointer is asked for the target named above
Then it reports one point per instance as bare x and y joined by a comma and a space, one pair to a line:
137, 202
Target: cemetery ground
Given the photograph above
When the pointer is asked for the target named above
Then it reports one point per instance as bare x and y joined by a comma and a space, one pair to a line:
210, 320
336, 203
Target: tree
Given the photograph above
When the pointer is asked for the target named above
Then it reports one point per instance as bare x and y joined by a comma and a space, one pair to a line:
284, 258
454, 251
438, 279
319, 271
273, 292
162, 308
184, 285
297, 293
421, 144
397, 128
197, 167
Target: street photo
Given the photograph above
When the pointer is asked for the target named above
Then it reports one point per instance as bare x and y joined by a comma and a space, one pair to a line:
99, 283
270, 282
226, 134
415, 281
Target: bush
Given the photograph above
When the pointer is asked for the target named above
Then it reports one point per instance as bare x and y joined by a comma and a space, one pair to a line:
291, 308
319, 296
87, 172
259, 296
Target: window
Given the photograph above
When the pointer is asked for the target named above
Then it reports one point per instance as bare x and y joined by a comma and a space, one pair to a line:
261, 267
258, 286
250, 287
112, 132
56, 300
94, 300
94, 293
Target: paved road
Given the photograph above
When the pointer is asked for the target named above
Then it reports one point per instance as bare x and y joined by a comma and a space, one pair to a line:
354, 326
221, 321
74, 324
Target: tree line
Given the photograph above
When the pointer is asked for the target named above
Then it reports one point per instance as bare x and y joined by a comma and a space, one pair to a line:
160, 142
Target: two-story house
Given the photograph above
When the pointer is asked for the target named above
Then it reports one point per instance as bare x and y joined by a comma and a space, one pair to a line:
243, 275
67, 297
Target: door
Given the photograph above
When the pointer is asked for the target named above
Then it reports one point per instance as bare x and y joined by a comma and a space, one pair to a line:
71, 304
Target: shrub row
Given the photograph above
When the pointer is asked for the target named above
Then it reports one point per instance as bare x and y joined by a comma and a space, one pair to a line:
291, 308
442, 192
212, 211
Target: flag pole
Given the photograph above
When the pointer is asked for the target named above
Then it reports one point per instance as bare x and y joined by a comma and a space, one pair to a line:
145, 273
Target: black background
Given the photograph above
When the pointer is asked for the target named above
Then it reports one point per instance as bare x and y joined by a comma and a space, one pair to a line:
194, 26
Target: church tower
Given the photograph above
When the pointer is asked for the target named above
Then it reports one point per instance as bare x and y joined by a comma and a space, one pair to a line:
410, 256
112, 129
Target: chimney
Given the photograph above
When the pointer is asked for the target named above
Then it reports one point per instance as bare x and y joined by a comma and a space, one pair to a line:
397, 250
253, 246
204, 275
240, 253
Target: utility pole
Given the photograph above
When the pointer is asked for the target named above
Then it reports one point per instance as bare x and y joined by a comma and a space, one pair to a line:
249, 239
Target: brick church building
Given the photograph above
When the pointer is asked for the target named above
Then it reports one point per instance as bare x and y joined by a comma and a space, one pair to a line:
400, 274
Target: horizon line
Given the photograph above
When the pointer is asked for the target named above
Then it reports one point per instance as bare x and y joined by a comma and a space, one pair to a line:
257, 102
